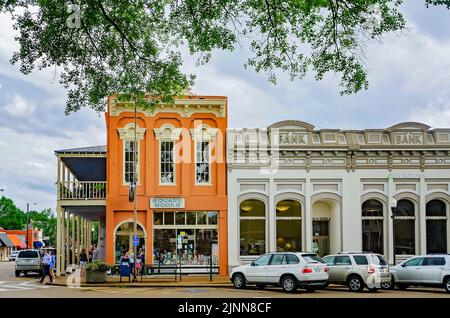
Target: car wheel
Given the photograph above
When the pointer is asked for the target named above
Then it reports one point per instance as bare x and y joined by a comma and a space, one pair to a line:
260, 286
17, 273
239, 281
402, 286
355, 283
388, 285
447, 284
289, 284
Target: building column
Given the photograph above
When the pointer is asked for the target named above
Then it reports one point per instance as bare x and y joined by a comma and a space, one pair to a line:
63, 242
58, 240
389, 221
73, 239
78, 232
271, 218
421, 214
308, 216
68, 260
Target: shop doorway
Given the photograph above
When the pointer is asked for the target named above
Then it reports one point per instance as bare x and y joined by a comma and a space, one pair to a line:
321, 237
124, 239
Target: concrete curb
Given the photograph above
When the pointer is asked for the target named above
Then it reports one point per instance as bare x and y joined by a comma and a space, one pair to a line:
147, 285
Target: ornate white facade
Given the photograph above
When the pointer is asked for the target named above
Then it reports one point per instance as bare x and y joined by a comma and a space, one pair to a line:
333, 174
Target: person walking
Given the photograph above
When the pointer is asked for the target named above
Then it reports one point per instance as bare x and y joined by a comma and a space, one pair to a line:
52, 264
83, 261
46, 261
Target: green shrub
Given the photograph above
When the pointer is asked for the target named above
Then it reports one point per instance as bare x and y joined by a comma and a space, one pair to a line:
97, 266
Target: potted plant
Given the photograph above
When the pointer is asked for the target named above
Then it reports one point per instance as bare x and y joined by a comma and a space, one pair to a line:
96, 272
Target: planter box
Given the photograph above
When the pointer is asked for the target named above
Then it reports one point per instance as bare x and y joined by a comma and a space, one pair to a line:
95, 277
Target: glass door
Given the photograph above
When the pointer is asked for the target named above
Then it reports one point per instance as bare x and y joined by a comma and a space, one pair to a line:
321, 238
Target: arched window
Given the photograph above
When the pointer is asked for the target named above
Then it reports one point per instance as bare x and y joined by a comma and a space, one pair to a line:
289, 226
252, 218
372, 226
436, 216
405, 228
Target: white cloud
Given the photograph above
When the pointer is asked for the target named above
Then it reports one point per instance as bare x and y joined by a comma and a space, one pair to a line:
436, 113
19, 106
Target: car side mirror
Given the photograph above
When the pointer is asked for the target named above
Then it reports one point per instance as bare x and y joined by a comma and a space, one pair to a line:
403, 265
252, 264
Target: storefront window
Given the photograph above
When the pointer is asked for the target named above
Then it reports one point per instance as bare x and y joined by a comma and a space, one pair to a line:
185, 243
158, 218
372, 226
180, 218
169, 218
190, 218
289, 226
405, 233
212, 217
252, 227
202, 218
436, 216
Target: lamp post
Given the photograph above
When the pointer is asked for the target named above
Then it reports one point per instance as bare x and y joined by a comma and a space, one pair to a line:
26, 235
393, 216
135, 180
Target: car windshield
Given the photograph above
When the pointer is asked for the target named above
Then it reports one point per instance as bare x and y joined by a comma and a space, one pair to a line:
28, 254
312, 258
378, 259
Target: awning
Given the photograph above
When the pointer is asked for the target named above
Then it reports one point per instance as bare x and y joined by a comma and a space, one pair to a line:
16, 241
4, 240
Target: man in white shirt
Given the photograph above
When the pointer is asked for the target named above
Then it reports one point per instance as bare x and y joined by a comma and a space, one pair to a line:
46, 261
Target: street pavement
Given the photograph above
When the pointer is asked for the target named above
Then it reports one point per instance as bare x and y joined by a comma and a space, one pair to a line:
29, 287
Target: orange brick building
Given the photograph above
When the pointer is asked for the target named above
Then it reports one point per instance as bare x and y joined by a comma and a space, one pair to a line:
181, 188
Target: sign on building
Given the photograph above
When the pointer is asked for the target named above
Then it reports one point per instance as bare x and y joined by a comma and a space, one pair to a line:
167, 203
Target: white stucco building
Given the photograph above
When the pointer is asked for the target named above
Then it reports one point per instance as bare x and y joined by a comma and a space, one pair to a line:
291, 187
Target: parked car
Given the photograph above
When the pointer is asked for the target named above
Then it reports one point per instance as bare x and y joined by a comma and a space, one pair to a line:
423, 270
358, 270
28, 261
13, 256
288, 270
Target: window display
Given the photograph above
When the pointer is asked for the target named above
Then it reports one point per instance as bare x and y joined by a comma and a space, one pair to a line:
191, 241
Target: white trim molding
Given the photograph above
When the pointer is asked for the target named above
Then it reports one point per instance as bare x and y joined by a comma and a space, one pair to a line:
127, 132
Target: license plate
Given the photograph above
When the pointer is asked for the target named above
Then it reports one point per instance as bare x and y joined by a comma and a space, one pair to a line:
317, 270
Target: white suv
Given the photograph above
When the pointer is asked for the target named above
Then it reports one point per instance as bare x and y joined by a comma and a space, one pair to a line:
424, 270
288, 270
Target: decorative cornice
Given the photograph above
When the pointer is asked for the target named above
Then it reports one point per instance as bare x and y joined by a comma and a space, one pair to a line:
127, 132
203, 133
167, 132
183, 107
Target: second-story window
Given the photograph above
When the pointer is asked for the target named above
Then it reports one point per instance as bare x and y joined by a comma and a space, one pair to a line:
129, 161
166, 160
202, 164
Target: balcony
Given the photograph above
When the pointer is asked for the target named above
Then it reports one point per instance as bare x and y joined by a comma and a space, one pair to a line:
82, 190
81, 179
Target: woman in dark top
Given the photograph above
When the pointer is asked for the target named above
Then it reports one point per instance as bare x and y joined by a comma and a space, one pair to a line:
83, 260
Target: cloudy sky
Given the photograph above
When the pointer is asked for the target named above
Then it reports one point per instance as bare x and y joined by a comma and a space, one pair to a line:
409, 81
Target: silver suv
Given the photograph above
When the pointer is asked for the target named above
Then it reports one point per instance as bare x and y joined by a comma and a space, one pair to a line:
28, 261
424, 270
358, 270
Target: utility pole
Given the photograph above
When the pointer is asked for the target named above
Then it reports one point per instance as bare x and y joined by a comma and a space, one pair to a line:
135, 190
26, 235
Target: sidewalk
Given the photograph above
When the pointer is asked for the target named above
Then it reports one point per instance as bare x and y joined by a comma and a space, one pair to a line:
153, 281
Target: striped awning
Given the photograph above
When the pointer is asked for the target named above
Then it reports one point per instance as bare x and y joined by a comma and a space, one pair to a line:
5, 241
17, 241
